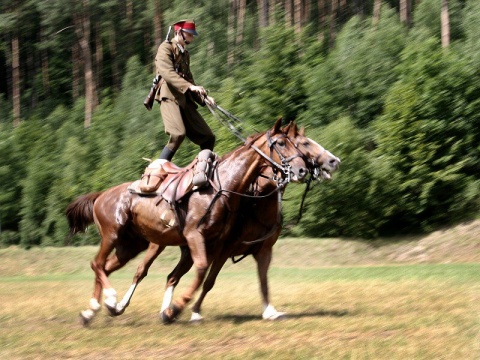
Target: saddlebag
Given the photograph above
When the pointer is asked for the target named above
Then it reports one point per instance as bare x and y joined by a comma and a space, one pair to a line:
153, 176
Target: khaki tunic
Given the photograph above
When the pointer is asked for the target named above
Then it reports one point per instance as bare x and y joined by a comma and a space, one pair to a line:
177, 103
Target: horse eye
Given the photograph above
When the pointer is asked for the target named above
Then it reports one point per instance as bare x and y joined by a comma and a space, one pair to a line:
281, 143
306, 144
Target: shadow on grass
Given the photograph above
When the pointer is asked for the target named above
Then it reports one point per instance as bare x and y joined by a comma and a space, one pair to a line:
238, 319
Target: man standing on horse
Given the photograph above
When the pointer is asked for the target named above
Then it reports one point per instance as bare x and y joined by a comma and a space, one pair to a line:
178, 94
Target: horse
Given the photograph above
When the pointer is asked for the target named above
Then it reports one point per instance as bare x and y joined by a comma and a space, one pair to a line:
259, 225
253, 239
122, 217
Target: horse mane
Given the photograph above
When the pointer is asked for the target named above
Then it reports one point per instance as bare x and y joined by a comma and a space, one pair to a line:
248, 141
252, 138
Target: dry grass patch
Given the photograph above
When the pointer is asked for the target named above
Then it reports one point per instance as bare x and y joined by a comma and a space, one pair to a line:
339, 306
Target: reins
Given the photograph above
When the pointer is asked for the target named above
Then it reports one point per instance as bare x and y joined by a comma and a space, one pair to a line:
279, 184
227, 119
233, 123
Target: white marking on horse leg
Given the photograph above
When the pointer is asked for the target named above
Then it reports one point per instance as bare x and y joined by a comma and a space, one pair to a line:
126, 298
196, 317
90, 313
94, 305
110, 297
167, 298
270, 313
87, 315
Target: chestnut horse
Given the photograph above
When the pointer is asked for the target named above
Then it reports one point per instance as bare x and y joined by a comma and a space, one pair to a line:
259, 222
256, 232
122, 217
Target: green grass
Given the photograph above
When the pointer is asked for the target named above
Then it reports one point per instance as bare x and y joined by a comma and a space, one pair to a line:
370, 307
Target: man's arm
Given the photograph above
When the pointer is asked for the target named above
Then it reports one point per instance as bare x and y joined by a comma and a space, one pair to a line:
164, 68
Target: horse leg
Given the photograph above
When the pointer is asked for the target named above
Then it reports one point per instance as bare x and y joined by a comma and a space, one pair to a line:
152, 253
200, 261
101, 282
184, 264
263, 259
215, 268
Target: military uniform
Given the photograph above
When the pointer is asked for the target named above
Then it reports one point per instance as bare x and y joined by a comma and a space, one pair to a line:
177, 104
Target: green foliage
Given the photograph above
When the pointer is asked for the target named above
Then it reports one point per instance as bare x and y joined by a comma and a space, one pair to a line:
430, 133
402, 113
369, 181
427, 16
357, 73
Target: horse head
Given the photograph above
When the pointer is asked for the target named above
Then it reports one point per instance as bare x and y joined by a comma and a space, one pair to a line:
320, 161
284, 155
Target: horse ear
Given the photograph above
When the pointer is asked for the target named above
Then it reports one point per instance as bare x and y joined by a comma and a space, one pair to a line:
301, 132
278, 126
292, 129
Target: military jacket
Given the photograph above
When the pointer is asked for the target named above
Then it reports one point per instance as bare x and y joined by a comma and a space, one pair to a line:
173, 65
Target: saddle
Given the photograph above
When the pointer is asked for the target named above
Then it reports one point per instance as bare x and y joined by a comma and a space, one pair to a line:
172, 182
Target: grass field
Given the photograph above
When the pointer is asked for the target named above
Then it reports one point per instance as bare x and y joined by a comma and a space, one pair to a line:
416, 299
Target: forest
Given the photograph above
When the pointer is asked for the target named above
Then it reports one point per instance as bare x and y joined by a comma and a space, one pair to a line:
391, 87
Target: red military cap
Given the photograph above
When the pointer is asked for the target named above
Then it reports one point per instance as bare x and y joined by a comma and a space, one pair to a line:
185, 25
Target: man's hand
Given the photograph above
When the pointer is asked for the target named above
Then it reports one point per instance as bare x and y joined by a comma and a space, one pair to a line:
198, 89
210, 100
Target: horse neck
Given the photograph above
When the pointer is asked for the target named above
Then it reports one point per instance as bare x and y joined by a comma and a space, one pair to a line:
241, 168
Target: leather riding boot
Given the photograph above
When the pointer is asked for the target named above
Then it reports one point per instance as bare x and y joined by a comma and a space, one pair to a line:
166, 154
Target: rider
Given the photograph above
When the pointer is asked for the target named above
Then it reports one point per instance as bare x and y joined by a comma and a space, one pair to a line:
178, 94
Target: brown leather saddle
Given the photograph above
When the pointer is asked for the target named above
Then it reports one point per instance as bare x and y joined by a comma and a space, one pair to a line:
170, 181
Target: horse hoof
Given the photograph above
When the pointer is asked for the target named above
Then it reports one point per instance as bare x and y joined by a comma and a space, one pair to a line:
119, 311
166, 316
112, 310
275, 316
169, 315
196, 318
85, 319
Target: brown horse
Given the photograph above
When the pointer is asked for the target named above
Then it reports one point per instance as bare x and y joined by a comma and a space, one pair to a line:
122, 218
257, 230
259, 221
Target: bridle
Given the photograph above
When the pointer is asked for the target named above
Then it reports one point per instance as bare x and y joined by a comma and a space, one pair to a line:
285, 168
281, 181
233, 124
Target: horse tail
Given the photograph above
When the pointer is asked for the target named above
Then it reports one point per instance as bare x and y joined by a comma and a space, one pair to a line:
80, 212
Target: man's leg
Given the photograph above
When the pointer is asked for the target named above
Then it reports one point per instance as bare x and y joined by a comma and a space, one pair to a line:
197, 129
173, 124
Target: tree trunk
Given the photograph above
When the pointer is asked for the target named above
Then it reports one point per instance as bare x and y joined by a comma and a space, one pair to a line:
307, 9
98, 54
76, 65
45, 66
377, 7
242, 9
262, 13
445, 25
112, 45
322, 21
288, 13
297, 15
272, 10
231, 32
157, 24
82, 28
16, 80
333, 22
129, 35
405, 12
